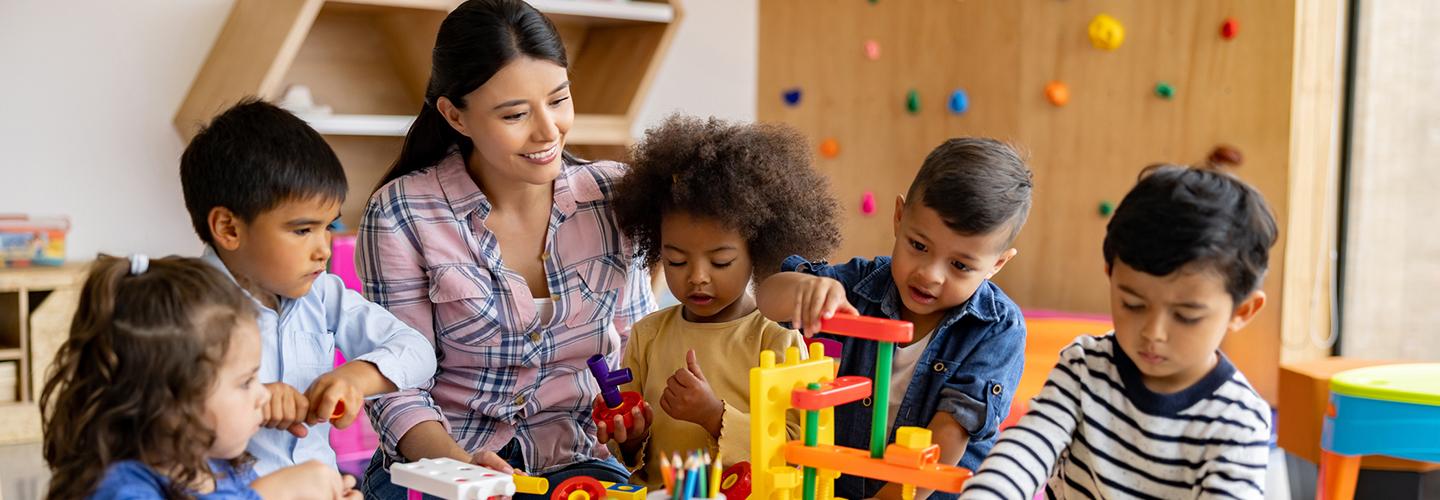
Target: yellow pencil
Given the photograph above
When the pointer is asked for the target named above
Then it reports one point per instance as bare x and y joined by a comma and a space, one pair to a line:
715, 477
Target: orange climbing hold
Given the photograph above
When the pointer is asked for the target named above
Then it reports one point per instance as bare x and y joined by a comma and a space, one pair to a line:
1057, 93
829, 148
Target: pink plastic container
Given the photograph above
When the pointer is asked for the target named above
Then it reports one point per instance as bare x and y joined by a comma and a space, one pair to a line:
354, 445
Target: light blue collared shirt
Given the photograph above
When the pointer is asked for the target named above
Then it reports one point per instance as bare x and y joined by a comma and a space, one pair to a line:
298, 345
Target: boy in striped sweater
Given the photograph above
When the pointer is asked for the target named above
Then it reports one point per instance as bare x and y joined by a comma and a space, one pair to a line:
1154, 409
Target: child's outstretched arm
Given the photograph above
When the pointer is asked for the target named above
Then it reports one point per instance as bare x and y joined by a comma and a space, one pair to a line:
802, 299
307, 481
952, 438
1025, 455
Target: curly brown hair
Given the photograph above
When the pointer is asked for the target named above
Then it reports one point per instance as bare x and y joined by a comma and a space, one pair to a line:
755, 178
131, 381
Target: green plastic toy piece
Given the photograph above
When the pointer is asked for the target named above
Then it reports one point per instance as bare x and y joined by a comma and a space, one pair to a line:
879, 423
812, 435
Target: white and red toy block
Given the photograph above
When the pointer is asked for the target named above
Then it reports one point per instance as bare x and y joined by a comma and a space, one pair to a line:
452, 479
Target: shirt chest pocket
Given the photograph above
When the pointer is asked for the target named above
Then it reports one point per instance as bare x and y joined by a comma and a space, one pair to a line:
464, 299
600, 282
309, 353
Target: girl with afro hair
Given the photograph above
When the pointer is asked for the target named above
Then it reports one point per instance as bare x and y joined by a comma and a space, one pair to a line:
718, 205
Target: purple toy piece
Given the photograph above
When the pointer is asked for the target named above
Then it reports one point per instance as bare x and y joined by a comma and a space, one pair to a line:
610, 381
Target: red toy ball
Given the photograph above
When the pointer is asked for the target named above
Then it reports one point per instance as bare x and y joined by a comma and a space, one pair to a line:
578, 488
735, 481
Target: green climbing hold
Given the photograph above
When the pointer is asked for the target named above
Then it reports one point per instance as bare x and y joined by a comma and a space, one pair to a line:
1106, 208
1164, 90
912, 101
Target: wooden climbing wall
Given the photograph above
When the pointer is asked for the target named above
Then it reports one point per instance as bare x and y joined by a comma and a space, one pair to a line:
1003, 53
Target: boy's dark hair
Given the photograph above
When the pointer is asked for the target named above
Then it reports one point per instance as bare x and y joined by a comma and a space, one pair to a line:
1178, 216
977, 186
755, 178
253, 157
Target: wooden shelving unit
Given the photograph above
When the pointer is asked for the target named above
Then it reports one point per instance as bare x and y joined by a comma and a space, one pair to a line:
36, 305
369, 62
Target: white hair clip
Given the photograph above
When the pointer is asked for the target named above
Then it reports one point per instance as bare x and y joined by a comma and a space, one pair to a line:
139, 263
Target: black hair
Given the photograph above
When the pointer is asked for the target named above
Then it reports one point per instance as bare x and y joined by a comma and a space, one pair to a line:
475, 40
1179, 216
977, 186
252, 158
754, 178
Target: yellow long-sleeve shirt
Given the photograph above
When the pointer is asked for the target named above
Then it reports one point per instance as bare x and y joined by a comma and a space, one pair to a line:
726, 352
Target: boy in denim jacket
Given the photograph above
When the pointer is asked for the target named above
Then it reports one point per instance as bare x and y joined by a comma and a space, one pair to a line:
953, 231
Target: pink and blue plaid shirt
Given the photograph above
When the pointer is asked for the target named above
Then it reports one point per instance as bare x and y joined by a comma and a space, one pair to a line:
424, 253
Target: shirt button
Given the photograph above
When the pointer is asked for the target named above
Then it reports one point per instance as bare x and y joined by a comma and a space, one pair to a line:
867, 402
535, 337
996, 390
555, 298
544, 256
520, 400
939, 367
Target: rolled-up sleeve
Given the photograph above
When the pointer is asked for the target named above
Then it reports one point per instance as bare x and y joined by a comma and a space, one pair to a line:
978, 393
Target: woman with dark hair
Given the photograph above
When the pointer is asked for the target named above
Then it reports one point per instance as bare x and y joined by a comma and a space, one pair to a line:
502, 249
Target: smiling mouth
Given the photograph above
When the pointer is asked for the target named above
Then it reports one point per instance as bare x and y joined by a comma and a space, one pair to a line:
543, 154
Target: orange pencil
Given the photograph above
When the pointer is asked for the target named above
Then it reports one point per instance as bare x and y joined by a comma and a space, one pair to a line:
666, 472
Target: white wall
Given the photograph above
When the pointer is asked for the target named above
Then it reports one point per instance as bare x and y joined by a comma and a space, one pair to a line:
88, 89
711, 66
1393, 252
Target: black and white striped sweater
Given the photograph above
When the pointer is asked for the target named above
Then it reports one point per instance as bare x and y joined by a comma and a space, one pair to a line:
1096, 431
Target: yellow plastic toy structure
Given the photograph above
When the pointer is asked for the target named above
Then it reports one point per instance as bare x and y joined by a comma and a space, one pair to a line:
811, 384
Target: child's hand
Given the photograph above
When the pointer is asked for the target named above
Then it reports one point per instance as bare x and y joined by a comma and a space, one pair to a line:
332, 392
311, 480
688, 397
819, 298
287, 409
640, 419
347, 483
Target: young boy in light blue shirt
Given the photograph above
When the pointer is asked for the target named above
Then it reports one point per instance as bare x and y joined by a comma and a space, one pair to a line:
262, 189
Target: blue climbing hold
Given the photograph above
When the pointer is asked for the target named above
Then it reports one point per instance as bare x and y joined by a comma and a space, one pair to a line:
792, 97
959, 101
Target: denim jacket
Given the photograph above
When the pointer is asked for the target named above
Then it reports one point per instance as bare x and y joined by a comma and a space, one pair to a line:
970, 369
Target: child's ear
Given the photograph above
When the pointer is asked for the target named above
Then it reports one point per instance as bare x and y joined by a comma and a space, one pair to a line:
224, 228
1004, 259
452, 115
899, 210
1246, 310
